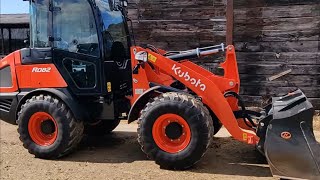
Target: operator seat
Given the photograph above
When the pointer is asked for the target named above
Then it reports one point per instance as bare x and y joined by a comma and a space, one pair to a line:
118, 55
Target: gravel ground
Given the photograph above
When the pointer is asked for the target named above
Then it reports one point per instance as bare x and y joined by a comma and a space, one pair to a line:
118, 156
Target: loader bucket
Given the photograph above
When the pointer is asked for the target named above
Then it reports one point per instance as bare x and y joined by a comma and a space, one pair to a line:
287, 138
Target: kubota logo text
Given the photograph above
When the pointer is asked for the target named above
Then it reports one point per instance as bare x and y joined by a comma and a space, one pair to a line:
196, 82
41, 70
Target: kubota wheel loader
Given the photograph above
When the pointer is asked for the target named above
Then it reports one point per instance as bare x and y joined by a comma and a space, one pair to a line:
81, 74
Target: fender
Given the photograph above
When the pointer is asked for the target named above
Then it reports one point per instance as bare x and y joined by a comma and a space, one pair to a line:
63, 94
144, 98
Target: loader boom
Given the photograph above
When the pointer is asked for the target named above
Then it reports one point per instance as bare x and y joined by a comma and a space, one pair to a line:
200, 81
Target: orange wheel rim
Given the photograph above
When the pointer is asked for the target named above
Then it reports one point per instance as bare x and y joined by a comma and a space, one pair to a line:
171, 133
43, 129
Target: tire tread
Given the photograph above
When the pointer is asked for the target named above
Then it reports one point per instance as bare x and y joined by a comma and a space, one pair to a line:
75, 127
192, 104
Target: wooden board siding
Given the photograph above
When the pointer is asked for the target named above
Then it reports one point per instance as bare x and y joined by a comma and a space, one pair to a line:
178, 25
271, 36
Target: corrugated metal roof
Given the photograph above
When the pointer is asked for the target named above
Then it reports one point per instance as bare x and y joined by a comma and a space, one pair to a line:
14, 18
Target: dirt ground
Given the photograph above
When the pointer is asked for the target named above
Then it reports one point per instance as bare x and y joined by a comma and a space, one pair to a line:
118, 156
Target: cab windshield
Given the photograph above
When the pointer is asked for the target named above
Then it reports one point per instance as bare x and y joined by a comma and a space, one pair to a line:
115, 33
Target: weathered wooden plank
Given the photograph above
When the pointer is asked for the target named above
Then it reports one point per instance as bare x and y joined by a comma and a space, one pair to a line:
312, 92
161, 4
177, 13
279, 24
274, 69
276, 35
293, 58
298, 58
285, 81
255, 101
263, 3
181, 36
270, 69
278, 12
286, 46
261, 101
177, 45
277, 76
190, 25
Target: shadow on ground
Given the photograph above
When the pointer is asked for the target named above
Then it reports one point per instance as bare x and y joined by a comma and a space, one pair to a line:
117, 147
230, 157
226, 156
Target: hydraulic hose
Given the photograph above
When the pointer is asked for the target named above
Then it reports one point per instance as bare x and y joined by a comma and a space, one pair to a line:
243, 108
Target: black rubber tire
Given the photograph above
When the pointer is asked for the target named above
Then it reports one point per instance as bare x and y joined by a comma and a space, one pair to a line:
101, 128
70, 131
217, 125
198, 119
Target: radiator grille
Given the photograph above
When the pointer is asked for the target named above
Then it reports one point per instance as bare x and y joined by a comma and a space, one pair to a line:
5, 104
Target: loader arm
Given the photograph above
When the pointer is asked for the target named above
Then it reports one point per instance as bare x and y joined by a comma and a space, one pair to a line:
209, 87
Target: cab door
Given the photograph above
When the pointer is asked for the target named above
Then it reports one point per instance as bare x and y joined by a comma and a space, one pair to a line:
76, 48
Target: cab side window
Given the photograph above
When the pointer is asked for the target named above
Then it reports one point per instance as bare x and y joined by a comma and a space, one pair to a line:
74, 27
39, 32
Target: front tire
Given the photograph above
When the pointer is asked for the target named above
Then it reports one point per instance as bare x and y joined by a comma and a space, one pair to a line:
175, 130
48, 128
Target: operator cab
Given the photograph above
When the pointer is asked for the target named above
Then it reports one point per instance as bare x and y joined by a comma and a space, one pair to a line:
89, 43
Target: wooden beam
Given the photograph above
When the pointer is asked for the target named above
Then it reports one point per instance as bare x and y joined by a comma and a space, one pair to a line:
229, 14
2, 42
10, 41
277, 76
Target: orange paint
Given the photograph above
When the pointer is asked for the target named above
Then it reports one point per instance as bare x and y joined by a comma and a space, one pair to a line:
39, 76
163, 141
10, 61
204, 83
35, 130
140, 81
30, 76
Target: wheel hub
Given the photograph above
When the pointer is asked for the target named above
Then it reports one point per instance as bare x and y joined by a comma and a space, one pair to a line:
171, 133
48, 127
43, 129
174, 130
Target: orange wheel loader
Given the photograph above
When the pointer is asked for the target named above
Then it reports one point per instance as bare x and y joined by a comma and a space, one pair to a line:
82, 74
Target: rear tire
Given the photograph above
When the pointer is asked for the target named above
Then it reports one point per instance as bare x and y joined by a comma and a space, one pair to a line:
101, 127
172, 151
68, 132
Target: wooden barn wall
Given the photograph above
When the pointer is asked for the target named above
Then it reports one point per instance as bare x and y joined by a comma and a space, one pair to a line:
271, 36
178, 24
